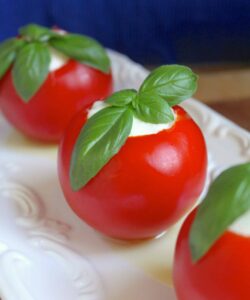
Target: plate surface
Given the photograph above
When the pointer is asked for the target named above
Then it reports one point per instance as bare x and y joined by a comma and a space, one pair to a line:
46, 252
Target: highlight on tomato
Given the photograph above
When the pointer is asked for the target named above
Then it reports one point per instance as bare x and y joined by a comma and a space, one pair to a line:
133, 165
212, 258
47, 76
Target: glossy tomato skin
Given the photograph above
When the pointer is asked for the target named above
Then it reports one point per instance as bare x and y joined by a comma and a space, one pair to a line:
223, 273
63, 94
146, 187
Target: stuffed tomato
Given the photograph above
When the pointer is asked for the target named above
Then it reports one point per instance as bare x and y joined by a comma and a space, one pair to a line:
212, 259
47, 76
132, 166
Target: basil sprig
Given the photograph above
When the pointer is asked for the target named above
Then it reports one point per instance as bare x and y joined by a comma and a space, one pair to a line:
30, 55
106, 131
228, 198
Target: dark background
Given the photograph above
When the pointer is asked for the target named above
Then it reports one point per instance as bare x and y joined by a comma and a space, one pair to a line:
149, 31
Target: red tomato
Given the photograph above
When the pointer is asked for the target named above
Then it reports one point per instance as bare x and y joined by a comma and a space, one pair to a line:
223, 273
65, 91
146, 187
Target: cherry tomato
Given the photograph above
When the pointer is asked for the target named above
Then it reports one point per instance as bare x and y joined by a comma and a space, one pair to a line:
65, 91
146, 187
223, 273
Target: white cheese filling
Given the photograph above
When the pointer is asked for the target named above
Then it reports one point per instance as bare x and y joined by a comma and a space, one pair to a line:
242, 225
57, 59
139, 127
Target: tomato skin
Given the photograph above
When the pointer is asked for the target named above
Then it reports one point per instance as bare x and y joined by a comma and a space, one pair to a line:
65, 91
223, 273
146, 187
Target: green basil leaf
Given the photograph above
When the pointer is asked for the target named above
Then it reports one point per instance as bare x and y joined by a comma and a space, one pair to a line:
30, 69
83, 49
99, 140
151, 108
36, 32
228, 198
8, 51
121, 98
174, 83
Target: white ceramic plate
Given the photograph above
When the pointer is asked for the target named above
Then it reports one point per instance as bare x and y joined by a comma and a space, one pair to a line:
46, 252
